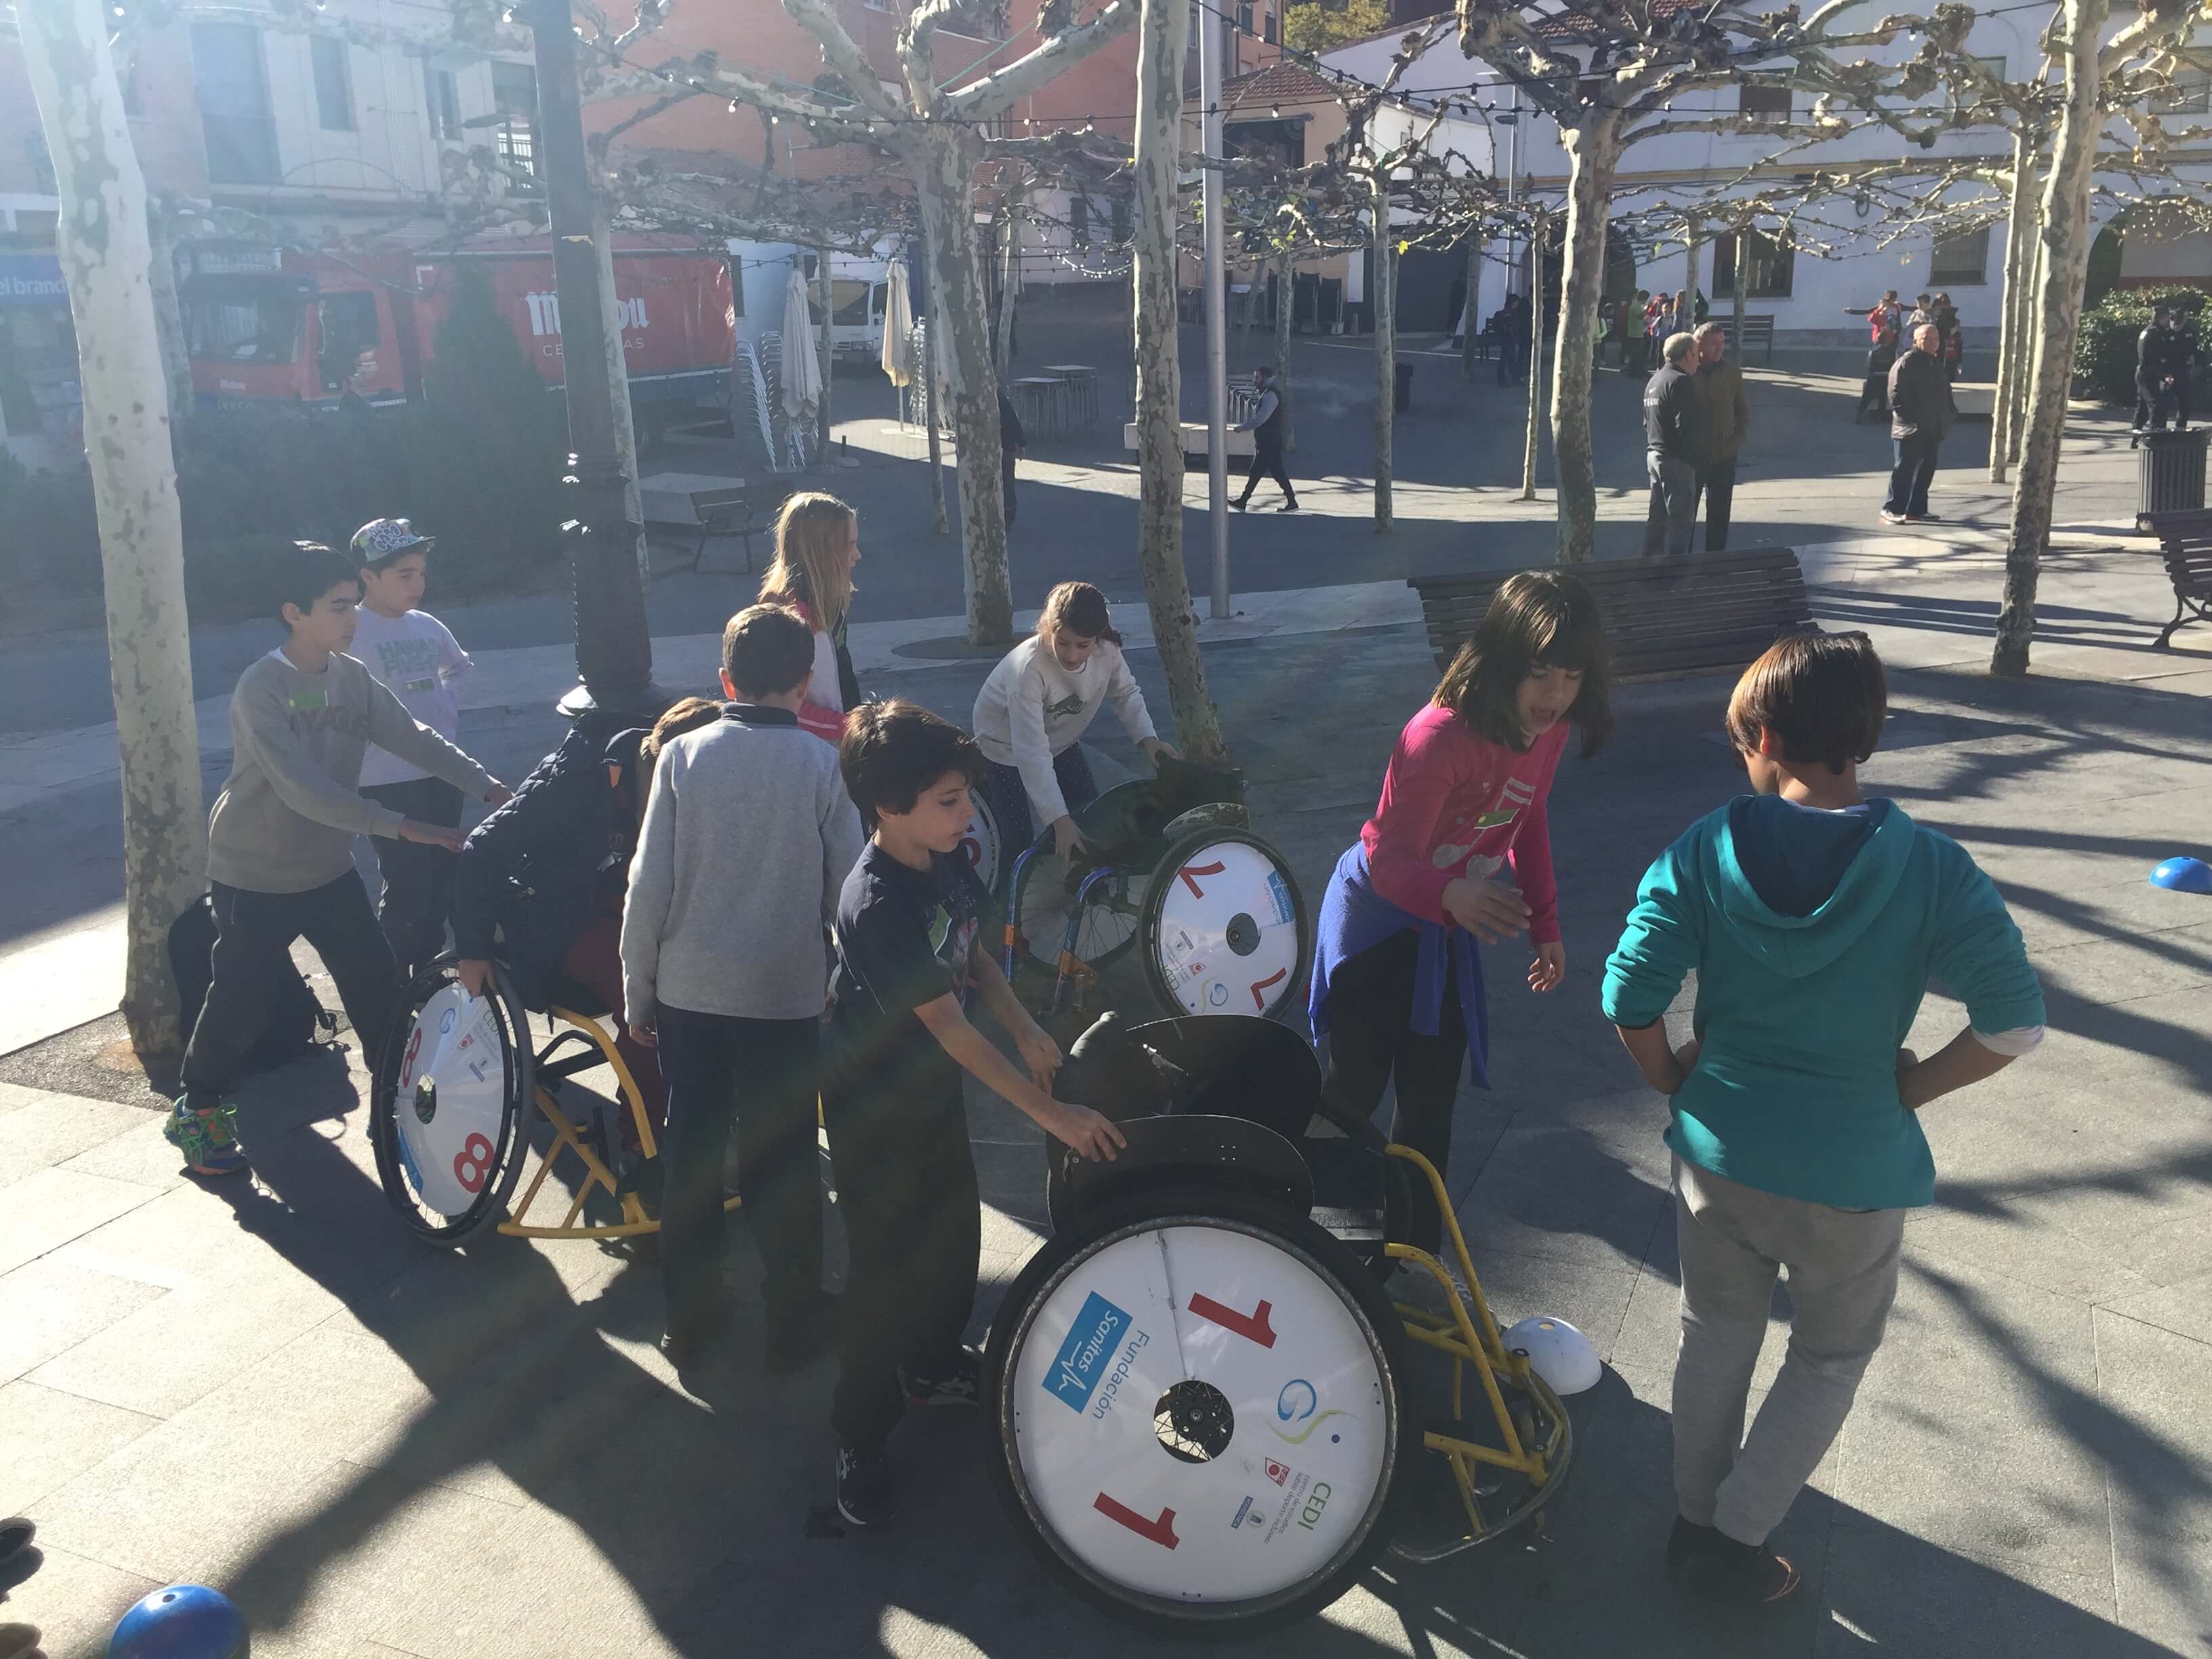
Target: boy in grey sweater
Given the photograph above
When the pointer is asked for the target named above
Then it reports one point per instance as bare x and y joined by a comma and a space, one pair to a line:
280, 840
747, 837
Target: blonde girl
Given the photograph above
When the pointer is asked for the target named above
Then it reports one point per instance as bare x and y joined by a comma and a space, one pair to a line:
817, 543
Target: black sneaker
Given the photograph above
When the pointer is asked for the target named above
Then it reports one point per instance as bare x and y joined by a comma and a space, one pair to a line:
864, 1497
962, 1385
798, 1336
1236, 506
1686, 1543
688, 1349
1740, 1575
1288, 506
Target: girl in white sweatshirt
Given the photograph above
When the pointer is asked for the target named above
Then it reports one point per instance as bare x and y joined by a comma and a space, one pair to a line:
1038, 701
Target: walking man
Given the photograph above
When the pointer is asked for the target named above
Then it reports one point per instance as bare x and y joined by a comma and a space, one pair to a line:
1675, 441
1727, 419
2162, 354
1266, 427
1920, 414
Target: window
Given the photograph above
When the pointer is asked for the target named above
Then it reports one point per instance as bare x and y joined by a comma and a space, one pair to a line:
243, 323
348, 334
1771, 268
515, 95
333, 84
2192, 94
1764, 98
442, 97
1961, 261
232, 89
1079, 222
1267, 26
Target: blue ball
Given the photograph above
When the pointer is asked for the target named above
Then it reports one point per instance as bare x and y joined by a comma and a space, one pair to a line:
2184, 875
185, 1621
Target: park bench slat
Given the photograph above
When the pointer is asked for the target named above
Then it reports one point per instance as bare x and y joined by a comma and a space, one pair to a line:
1662, 615
2185, 542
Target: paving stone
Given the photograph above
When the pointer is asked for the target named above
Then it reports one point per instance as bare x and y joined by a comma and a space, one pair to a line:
48, 1207
2184, 1309
47, 1437
46, 1129
47, 1307
1969, 1427
2154, 1436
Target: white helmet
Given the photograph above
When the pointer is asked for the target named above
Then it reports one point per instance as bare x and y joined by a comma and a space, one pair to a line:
1557, 1352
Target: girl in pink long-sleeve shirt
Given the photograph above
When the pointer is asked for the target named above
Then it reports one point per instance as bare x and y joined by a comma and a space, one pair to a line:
1397, 986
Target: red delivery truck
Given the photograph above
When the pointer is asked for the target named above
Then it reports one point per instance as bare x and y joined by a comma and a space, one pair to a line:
267, 325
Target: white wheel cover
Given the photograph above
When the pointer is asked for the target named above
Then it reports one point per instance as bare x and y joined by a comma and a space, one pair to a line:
1312, 1425
455, 1067
1229, 932
980, 845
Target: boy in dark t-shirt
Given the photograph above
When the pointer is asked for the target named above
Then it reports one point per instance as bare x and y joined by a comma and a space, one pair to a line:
908, 936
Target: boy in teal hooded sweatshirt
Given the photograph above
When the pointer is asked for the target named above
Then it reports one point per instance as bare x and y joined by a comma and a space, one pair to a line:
1814, 920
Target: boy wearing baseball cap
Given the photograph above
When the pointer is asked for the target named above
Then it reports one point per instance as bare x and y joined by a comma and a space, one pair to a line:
414, 656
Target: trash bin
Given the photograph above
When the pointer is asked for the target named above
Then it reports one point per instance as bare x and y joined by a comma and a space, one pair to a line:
1403, 402
2173, 469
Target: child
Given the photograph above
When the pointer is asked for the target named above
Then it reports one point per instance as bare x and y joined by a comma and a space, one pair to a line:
910, 937
542, 880
280, 840
1813, 918
1873, 393
411, 654
1397, 985
817, 543
724, 972
1039, 700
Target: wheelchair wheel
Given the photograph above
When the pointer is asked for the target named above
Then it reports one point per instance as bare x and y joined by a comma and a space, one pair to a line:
1044, 898
1198, 1400
1225, 927
980, 845
453, 1091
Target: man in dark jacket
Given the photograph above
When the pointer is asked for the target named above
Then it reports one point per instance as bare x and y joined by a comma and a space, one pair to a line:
1266, 427
540, 881
1675, 443
2162, 354
1920, 415
1728, 421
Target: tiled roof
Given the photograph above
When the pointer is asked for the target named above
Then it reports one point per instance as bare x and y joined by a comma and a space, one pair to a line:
1278, 80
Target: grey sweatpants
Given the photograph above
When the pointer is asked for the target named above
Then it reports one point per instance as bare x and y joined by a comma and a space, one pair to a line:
1843, 1276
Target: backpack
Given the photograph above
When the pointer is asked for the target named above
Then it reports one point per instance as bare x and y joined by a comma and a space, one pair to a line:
297, 1022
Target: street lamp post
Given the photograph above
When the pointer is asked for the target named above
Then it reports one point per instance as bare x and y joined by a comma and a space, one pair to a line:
614, 651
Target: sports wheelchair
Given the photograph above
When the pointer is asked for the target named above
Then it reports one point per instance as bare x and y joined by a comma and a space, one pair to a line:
1202, 1413
1171, 864
452, 1122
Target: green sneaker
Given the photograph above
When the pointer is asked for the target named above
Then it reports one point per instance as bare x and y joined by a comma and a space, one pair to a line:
208, 1139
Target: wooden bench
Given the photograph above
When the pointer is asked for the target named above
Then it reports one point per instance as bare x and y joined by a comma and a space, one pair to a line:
1662, 617
1757, 330
2185, 542
746, 511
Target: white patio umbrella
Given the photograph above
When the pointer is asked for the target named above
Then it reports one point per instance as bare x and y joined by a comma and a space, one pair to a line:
898, 323
801, 367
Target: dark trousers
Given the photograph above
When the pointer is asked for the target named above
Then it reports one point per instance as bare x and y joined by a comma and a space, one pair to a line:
1909, 478
906, 1185
766, 1075
252, 932
1671, 520
1717, 484
1268, 464
1009, 802
2154, 402
1371, 1043
418, 880
1006, 484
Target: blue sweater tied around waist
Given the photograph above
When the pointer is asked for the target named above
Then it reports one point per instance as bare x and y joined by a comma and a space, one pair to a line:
1354, 918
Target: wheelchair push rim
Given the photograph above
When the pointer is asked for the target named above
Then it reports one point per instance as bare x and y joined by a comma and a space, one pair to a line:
980, 845
1048, 894
1197, 1398
1224, 927
452, 1087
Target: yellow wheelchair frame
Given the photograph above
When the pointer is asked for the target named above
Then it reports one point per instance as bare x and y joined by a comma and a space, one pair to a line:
634, 1223
1540, 1453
